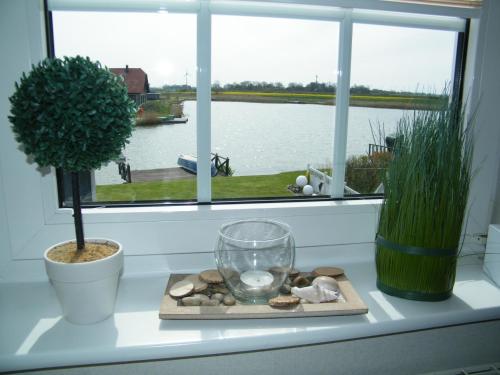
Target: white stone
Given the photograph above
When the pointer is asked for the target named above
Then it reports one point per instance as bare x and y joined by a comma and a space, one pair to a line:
301, 181
307, 190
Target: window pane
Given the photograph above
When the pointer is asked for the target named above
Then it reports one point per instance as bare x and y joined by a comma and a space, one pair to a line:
273, 84
393, 69
156, 55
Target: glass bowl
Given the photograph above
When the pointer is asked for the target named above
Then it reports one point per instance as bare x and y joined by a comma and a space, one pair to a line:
254, 257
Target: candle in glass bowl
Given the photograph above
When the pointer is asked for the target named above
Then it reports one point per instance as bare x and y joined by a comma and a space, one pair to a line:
257, 279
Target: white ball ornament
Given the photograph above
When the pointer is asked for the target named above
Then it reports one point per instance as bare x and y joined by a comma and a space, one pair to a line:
301, 181
307, 190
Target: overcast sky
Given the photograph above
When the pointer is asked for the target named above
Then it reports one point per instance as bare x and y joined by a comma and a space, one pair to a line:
257, 49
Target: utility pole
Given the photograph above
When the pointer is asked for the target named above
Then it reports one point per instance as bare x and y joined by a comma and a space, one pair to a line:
186, 75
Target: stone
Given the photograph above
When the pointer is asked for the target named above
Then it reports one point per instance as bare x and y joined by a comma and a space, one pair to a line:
211, 277
181, 289
218, 296
293, 273
328, 271
283, 301
199, 286
304, 301
202, 297
218, 288
301, 282
191, 301
285, 289
229, 300
210, 302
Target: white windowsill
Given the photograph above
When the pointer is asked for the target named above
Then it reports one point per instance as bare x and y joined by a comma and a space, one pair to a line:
38, 337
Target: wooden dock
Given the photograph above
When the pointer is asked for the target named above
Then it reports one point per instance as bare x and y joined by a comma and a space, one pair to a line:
161, 174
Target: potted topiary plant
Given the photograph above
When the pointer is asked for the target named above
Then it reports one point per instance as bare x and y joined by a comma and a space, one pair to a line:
426, 188
74, 114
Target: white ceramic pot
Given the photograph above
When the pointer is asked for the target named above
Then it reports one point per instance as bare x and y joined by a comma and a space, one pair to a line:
86, 291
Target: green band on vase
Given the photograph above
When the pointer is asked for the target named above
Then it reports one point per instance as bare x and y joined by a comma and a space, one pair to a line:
417, 296
414, 250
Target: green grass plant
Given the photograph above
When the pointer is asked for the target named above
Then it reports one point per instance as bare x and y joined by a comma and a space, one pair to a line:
426, 188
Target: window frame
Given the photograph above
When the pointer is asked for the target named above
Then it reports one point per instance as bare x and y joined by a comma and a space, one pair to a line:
346, 17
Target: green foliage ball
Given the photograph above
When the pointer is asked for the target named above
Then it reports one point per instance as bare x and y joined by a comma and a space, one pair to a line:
72, 113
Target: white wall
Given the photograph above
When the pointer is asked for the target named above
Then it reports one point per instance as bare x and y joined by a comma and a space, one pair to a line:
496, 207
485, 98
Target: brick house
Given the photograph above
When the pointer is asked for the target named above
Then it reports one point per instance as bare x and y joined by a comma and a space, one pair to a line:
137, 83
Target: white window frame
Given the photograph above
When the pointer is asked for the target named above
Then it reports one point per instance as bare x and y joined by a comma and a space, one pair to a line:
35, 221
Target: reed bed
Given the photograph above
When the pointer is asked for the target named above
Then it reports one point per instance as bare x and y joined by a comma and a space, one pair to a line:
426, 188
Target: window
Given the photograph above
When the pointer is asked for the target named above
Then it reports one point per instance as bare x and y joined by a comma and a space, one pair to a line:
155, 53
393, 70
260, 107
272, 105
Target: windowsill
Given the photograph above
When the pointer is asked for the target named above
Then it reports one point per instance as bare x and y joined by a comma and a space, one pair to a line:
215, 211
38, 337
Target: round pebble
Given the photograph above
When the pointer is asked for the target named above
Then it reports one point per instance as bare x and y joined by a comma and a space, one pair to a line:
202, 297
181, 289
218, 296
210, 302
283, 301
199, 286
301, 282
211, 277
191, 301
229, 300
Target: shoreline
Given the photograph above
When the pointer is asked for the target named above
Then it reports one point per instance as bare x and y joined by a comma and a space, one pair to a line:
369, 101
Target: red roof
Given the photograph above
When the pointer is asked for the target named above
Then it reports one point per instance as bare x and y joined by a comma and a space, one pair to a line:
135, 79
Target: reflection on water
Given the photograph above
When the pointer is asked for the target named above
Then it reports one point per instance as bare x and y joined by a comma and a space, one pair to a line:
259, 138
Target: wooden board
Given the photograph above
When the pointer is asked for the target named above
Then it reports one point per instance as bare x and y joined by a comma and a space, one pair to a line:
349, 304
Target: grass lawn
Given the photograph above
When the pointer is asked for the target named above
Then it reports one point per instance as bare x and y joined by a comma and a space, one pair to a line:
222, 187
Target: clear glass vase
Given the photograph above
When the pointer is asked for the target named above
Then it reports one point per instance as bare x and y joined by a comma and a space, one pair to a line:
254, 257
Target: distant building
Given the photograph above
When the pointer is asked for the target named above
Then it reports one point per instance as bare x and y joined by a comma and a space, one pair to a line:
153, 96
137, 83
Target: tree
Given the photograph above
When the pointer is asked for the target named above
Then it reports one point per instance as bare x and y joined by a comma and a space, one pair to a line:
74, 114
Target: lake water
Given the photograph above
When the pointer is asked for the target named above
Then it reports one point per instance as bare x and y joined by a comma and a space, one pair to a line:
259, 138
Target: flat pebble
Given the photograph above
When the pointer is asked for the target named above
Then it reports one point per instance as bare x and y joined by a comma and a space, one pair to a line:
181, 288
229, 300
218, 288
199, 286
211, 277
284, 301
210, 302
328, 271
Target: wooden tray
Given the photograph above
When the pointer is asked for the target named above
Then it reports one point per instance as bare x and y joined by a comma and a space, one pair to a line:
349, 304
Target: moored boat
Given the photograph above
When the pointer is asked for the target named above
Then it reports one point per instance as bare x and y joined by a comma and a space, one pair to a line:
190, 164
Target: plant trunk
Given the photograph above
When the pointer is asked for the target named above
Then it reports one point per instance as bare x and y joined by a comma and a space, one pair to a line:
77, 211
